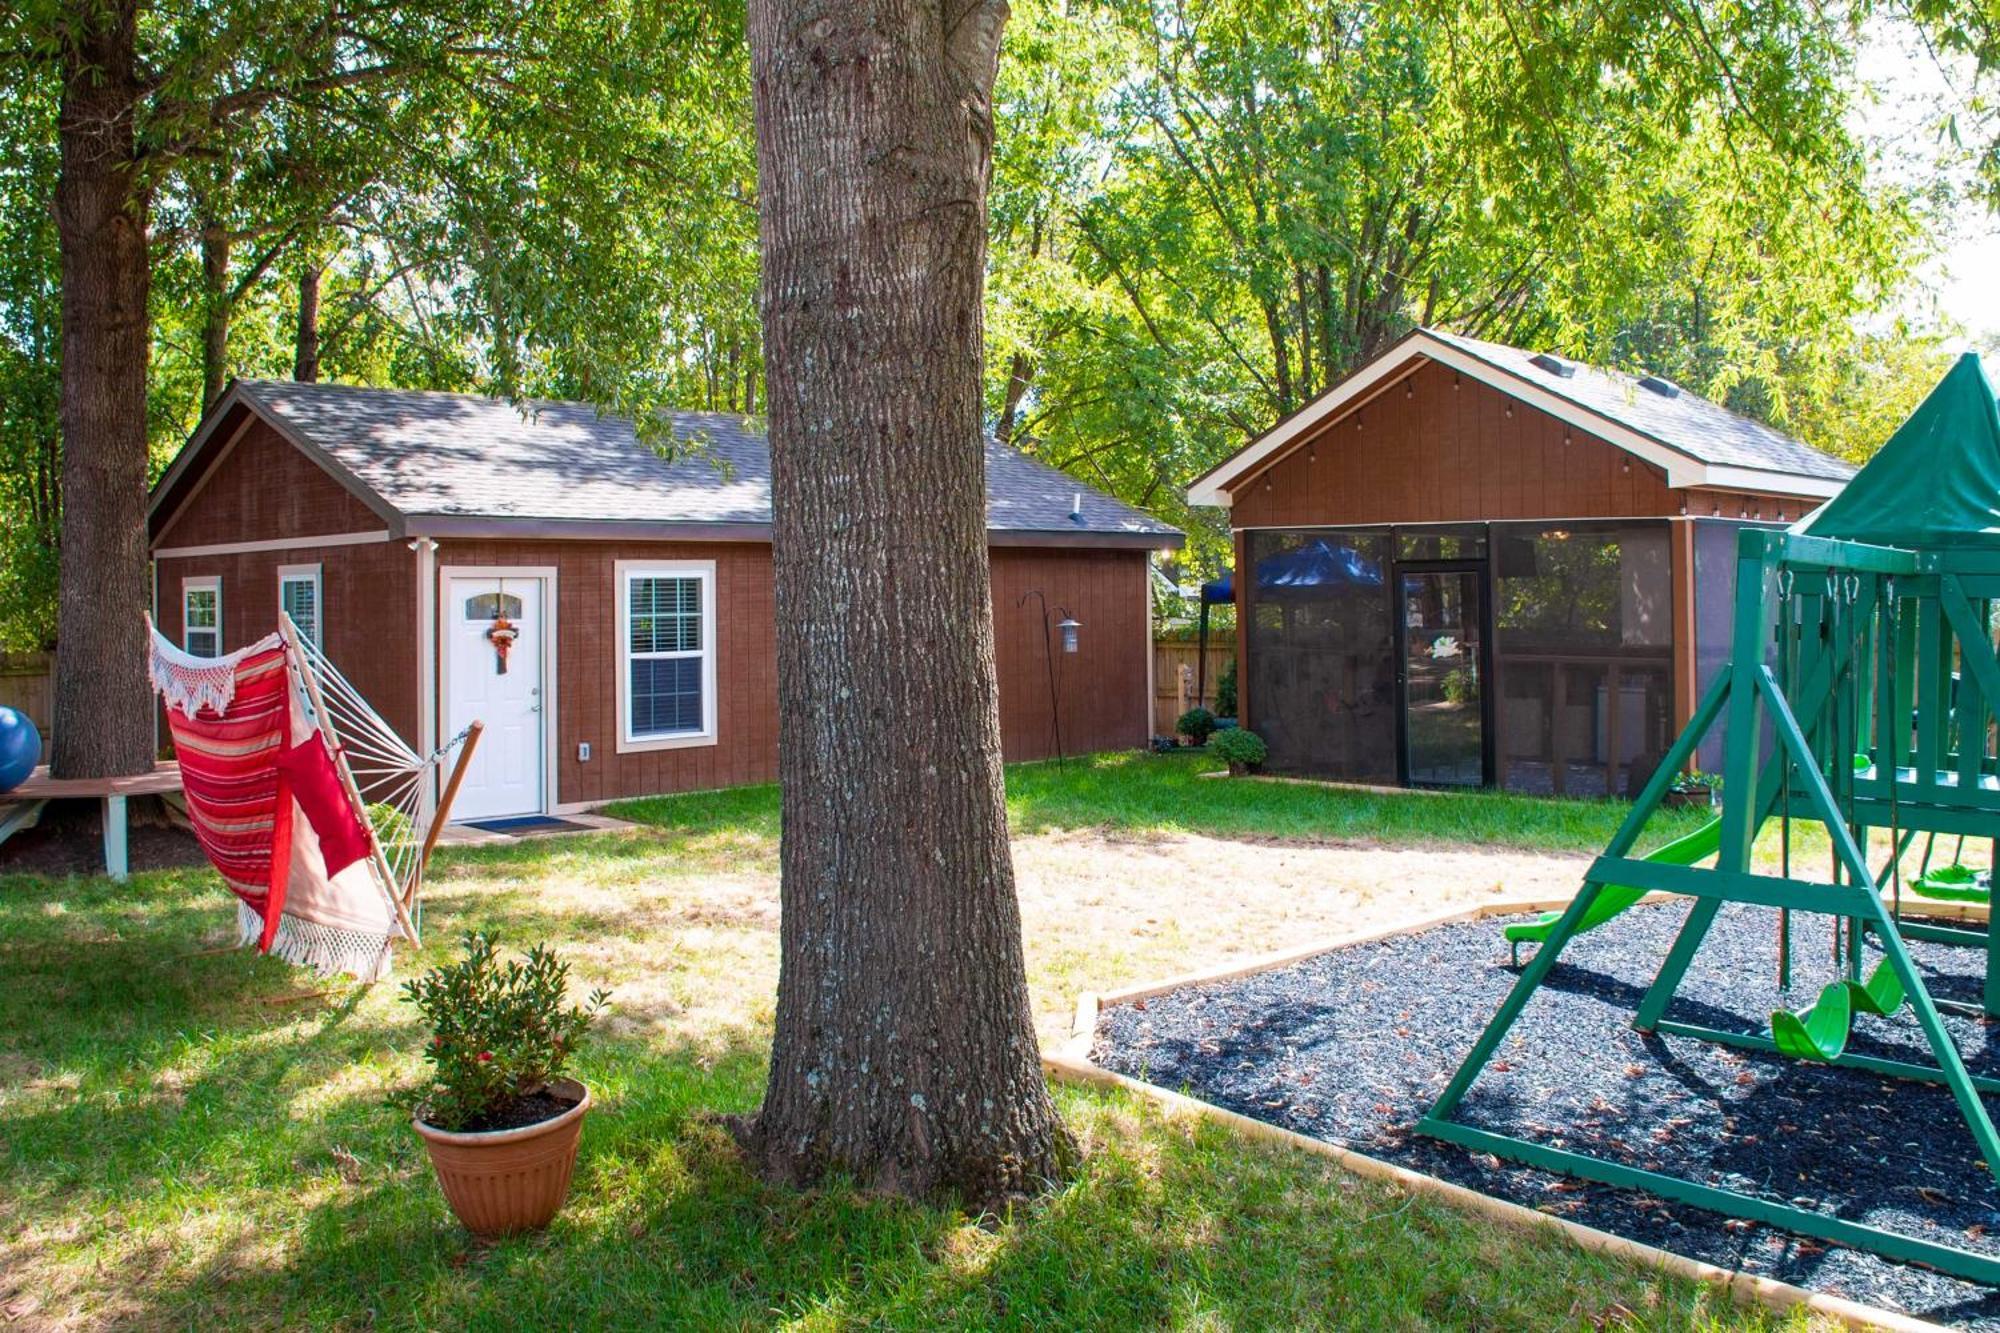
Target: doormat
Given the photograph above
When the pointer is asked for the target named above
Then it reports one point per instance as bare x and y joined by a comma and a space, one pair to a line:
527, 825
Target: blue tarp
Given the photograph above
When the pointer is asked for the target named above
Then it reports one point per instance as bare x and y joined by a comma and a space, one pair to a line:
1319, 564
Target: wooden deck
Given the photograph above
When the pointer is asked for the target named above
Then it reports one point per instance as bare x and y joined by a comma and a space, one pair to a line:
21, 807
165, 777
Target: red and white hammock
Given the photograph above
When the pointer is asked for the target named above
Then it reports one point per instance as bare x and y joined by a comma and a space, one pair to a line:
310, 806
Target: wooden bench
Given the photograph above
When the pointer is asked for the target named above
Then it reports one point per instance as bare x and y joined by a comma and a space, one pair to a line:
23, 805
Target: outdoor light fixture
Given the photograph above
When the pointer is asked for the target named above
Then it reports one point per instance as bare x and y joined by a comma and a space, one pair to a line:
1409, 387
1069, 625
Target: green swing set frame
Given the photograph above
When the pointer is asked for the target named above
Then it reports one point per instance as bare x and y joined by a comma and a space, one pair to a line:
1866, 637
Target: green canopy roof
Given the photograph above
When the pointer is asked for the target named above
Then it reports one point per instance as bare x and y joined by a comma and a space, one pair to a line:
1936, 482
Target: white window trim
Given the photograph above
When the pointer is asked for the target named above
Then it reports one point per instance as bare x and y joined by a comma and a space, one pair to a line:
625, 572
306, 574
202, 583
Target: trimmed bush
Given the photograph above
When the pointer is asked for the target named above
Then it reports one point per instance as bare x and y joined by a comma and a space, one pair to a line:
1239, 748
1197, 724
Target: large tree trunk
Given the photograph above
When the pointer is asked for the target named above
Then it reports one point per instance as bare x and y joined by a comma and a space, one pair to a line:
905, 1051
216, 310
305, 347
104, 709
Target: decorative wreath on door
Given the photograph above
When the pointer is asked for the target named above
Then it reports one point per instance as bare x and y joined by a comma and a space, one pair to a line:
502, 632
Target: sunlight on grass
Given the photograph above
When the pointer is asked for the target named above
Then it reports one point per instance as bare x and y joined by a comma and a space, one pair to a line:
191, 1138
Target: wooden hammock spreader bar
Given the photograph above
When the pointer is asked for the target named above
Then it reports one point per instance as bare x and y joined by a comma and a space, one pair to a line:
472, 734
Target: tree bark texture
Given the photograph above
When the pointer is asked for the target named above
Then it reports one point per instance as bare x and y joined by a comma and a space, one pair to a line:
905, 1052
103, 707
305, 348
216, 310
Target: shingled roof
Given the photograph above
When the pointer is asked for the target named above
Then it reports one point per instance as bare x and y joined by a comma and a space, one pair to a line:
1660, 410
1696, 442
459, 464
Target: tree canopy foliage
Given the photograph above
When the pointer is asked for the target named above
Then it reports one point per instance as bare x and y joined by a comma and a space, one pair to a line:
1201, 214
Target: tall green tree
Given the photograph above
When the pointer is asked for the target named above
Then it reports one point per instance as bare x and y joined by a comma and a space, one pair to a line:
905, 1052
1253, 197
262, 135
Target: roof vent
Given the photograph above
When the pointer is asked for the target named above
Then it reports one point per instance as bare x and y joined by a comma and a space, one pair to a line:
1555, 365
1076, 509
1661, 385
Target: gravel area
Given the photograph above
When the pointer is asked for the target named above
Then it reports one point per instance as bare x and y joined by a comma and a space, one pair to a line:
1354, 1046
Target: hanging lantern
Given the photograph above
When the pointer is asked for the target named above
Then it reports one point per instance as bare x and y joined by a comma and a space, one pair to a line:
1069, 628
501, 634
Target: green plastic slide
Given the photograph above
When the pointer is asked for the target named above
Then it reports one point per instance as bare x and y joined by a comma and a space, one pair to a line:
1954, 883
1615, 898
1821, 1032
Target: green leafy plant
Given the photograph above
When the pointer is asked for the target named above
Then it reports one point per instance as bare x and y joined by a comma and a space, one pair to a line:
1238, 746
500, 1031
1225, 690
1197, 724
1697, 780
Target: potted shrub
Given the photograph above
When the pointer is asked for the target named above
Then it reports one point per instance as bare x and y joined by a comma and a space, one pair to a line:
1693, 788
500, 1120
1197, 724
1242, 750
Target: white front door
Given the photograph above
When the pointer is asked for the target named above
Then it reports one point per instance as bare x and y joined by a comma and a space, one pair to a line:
506, 774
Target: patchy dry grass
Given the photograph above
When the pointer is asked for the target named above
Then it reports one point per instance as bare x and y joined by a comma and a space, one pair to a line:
185, 1140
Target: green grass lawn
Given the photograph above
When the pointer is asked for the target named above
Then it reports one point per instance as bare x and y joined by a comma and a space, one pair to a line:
1177, 793
185, 1142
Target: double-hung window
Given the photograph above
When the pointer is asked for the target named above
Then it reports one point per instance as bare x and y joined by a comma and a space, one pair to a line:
201, 616
298, 594
666, 654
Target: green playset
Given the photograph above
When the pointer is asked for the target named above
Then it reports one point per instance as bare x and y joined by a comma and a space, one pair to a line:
1860, 695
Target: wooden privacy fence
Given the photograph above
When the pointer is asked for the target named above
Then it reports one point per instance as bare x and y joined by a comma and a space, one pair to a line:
1172, 696
27, 684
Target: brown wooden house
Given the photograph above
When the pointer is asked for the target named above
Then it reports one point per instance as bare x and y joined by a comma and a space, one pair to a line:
399, 527
1469, 564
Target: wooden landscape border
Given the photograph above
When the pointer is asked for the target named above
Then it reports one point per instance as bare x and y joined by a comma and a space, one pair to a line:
1072, 1064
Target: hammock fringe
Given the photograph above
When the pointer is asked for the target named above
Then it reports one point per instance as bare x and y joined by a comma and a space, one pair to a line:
193, 683
328, 951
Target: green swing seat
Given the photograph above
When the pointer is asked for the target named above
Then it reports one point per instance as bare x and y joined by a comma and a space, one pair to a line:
1821, 1032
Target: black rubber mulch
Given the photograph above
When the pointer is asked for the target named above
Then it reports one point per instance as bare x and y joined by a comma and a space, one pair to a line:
1354, 1046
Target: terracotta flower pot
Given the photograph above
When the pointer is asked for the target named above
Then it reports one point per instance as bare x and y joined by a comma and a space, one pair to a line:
505, 1181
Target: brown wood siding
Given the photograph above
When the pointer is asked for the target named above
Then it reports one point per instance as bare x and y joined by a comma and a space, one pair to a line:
746, 666
265, 490
1102, 687
1681, 555
1441, 448
368, 610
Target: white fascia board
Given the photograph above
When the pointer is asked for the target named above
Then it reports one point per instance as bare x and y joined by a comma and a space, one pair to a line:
1772, 483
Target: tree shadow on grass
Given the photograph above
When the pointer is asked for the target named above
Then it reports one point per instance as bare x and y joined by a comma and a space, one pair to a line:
666, 1228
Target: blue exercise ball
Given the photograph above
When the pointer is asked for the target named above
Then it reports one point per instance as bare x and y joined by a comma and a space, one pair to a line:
20, 748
